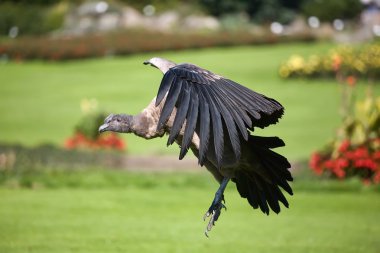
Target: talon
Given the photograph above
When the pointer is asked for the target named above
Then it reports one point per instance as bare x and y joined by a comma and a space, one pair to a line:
211, 223
214, 212
207, 214
216, 207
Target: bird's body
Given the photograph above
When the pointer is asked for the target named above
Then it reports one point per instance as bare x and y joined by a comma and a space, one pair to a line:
212, 116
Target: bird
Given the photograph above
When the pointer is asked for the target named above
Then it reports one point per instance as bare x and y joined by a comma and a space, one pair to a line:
215, 117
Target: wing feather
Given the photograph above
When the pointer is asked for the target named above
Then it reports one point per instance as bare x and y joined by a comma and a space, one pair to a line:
240, 118
191, 122
204, 126
210, 105
170, 102
228, 120
180, 116
217, 127
166, 82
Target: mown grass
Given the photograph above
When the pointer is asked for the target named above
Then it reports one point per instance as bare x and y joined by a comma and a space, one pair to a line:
95, 210
39, 101
163, 213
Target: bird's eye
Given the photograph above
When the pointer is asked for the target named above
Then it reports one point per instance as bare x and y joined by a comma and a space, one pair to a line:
118, 119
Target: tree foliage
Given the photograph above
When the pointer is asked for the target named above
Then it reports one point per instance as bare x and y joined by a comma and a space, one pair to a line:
328, 10
261, 11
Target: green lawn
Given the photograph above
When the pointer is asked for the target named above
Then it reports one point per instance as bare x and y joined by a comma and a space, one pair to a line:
116, 211
40, 102
166, 218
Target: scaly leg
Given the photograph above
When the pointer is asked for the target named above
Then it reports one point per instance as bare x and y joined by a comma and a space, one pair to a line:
216, 206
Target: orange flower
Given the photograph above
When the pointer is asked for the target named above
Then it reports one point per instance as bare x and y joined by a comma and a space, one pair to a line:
70, 143
337, 61
351, 80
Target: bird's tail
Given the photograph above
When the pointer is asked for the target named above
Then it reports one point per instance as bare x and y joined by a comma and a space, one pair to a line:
268, 171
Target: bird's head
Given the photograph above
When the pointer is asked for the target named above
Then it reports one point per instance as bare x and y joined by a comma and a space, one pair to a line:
160, 63
117, 123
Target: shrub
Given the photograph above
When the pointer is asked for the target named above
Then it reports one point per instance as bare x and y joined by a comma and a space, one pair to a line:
86, 134
259, 10
343, 61
30, 18
328, 10
356, 149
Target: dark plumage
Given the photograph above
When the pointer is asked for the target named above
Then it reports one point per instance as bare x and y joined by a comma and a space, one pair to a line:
212, 116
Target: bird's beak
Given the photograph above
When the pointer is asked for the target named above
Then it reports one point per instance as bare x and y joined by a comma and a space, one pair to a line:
103, 128
146, 62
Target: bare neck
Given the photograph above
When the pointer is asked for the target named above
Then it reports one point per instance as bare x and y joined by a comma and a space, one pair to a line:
145, 123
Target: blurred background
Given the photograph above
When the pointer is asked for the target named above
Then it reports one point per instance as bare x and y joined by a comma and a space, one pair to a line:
65, 65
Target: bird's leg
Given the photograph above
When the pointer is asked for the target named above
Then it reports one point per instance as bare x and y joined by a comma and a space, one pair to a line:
216, 206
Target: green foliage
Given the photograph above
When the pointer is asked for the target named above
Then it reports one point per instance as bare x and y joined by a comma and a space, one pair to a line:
55, 15
343, 61
363, 123
219, 8
20, 161
30, 18
38, 2
89, 124
158, 4
328, 10
259, 10
271, 10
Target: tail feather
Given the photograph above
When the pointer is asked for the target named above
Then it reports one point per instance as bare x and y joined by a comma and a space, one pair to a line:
260, 185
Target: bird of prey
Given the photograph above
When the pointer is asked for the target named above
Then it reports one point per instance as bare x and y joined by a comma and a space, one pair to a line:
214, 117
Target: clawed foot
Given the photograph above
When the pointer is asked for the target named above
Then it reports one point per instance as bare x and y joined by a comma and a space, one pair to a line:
214, 211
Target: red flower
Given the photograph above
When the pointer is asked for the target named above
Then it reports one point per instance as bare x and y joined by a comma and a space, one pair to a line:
315, 163
376, 156
330, 164
341, 163
339, 172
365, 163
110, 141
360, 153
344, 146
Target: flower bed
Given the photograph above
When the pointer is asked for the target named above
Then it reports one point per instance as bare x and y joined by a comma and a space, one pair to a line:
104, 141
124, 43
362, 62
356, 149
349, 160
86, 134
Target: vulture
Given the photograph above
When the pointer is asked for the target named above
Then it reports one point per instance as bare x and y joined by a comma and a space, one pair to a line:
215, 117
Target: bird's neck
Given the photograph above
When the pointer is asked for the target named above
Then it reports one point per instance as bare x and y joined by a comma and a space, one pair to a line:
145, 126
165, 66
145, 123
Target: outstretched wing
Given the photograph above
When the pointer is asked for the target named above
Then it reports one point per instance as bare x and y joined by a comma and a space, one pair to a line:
219, 110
